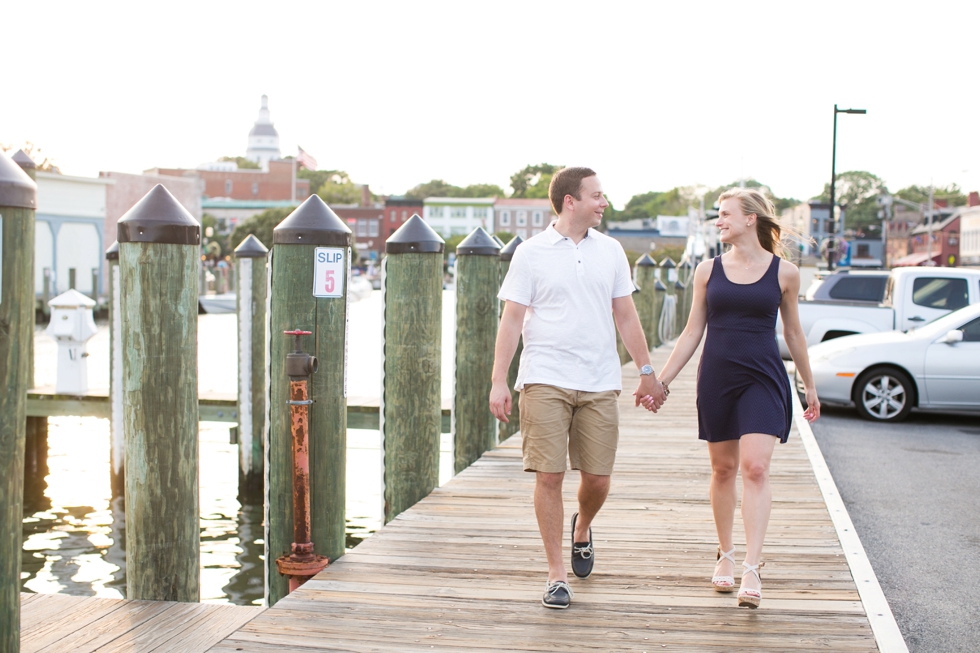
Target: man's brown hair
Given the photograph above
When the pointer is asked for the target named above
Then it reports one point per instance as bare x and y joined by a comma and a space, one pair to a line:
567, 181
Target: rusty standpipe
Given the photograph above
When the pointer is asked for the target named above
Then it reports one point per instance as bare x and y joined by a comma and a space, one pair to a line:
302, 564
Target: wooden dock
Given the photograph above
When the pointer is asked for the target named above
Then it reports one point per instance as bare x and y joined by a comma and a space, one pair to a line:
464, 569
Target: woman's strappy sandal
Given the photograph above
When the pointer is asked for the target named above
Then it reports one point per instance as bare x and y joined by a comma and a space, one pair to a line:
724, 583
748, 598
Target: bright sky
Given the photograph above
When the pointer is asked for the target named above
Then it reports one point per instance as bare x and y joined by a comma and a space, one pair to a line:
650, 94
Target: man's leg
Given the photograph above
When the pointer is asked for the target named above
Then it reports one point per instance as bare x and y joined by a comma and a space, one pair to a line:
549, 510
592, 492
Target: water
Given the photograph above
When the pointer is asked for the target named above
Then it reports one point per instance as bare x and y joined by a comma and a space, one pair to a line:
74, 531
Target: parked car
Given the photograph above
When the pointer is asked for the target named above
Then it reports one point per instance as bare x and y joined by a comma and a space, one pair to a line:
913, 297
849, 286
886, 375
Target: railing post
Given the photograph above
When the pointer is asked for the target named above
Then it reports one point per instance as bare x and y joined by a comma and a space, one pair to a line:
250, 261
117, 447
507, 429
477, 283
411, 406
28, 166
310, 269
71, 278
18, 199
647, 305
667, 322
158, 249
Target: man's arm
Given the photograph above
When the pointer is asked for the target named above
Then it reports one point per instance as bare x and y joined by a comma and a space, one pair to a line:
508, 335
631, 331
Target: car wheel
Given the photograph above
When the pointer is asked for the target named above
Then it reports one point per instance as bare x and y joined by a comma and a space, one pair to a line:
884, 394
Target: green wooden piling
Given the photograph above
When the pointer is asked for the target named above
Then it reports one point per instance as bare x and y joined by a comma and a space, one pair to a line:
158, 249
507, 429
250, 262
95, 285
667, 323
411, 365
28, 166
117, 443
477, 283
645, 273
18, 199
71, 278
46, 294
310, 296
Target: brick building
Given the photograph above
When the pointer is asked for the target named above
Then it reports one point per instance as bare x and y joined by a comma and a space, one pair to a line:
523, 217
366, 224
244, 184
397, 211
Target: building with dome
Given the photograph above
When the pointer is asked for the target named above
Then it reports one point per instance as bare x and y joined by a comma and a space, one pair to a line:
263, 139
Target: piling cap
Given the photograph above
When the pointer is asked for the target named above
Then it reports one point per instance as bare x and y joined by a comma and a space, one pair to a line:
507, 253
22, 159
17, 189
659, 287
71, 299
679, 286
112, 254
645, 262
312, 223
668, 263
497, 239
478, 243
159, 218
415, 236
251, 247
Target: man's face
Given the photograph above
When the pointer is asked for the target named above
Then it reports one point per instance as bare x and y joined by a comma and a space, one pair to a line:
589, 209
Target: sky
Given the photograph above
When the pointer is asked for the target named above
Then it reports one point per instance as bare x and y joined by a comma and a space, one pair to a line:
652, 95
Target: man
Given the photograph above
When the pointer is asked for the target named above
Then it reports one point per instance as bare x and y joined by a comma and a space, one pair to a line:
563, 290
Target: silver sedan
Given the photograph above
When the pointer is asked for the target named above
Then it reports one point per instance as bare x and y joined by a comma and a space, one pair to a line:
885, 375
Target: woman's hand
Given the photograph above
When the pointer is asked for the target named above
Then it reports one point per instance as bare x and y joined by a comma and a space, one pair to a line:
812, 412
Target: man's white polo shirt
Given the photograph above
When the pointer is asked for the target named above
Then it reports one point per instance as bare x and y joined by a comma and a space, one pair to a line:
569, 332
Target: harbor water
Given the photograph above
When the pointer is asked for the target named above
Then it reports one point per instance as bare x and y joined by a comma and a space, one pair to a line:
74, 537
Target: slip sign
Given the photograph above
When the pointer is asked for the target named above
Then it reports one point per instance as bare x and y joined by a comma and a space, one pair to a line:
328, 272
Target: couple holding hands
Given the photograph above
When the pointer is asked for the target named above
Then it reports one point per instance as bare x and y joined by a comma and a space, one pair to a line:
558, 294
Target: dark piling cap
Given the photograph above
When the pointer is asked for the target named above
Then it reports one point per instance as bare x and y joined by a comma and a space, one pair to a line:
24, 161
679, 286
645, 262
312, 223
659, 287
507, 253
17, 189
251, 247
497, 239
479, 243
159, 218
668, 263
415, 236
112, 254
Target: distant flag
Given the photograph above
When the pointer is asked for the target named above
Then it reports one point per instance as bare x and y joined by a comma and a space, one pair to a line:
305, 160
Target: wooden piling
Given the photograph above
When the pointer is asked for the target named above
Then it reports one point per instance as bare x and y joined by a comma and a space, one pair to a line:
507, 429
647, 304
71, 278
117, 444
668, 314
28, 166
310, 296
95, 285
411, 364
477, 283
158, 250
250, 262
18, 199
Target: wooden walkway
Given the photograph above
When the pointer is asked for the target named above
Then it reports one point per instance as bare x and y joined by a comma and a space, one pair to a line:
465, 570
57, 623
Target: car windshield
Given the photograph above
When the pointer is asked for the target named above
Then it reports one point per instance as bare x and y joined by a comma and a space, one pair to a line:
948, 322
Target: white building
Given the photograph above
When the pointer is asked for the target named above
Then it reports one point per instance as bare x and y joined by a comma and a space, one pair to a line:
450, 216
523, 217
69, 231
970, 235
263, 140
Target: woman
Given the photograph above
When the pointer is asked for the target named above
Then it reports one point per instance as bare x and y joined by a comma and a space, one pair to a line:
744, 396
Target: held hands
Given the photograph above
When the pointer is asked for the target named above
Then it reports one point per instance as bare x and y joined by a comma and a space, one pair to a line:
500, 401
650, 392
812, 412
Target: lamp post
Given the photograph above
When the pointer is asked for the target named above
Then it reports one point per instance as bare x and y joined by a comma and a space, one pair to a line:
831, 245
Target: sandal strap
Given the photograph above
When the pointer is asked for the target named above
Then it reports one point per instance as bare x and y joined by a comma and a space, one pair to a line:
753, 569
728, 555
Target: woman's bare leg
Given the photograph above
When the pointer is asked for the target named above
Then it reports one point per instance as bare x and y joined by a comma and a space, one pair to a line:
724, 469
755, 453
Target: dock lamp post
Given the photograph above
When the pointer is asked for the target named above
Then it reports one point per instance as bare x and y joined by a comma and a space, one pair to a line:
831, 244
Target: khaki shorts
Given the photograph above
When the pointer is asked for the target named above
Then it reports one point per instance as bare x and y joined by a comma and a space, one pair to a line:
555, 423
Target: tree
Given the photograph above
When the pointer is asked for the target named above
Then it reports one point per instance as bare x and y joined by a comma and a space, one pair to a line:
439, 188
533, 180
858, 191
260, 226
320, 177
951, 194
241, 162
781, 203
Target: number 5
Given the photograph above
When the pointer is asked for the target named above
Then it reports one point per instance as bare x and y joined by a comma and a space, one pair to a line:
329, 282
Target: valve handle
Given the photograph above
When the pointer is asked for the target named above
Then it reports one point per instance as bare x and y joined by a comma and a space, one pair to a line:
298, 333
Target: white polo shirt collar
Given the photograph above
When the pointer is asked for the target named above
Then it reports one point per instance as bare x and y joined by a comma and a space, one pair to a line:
554, 236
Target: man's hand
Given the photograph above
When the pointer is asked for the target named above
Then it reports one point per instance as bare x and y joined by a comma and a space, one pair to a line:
500, 403
650, 392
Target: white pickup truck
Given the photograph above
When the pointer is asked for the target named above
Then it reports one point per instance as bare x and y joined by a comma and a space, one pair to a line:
913, 297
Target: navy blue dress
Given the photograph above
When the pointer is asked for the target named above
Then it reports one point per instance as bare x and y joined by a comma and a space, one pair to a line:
742, 382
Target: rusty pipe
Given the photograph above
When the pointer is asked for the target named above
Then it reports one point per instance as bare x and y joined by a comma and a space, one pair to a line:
302, 563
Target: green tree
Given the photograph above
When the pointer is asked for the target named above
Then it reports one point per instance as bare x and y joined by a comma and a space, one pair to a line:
781, 203
858, 191
259, 225
440, 188
241, 162
533, 180
320, 177
920, 194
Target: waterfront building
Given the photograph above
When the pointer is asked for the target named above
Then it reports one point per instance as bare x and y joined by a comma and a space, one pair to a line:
451, 216
523, 217
226, 180
398, 209
970, 235
263, 139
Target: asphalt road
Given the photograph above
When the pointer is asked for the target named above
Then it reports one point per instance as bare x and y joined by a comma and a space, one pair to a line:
913, 492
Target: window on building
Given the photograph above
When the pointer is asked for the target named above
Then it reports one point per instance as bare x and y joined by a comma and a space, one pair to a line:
362, 227
228, 187
404, 215
480, 213
394, 214
864, 250
537, 219
953, 238
435, 211
522, 220
457, 212
505, 218
372, 228
255, 188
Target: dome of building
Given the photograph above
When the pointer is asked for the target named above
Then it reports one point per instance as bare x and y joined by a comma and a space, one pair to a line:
263, 139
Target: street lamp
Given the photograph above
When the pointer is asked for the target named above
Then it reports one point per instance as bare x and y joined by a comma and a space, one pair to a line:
831, 245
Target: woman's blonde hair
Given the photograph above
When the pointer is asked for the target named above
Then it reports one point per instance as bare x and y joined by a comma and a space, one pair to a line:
773, 236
